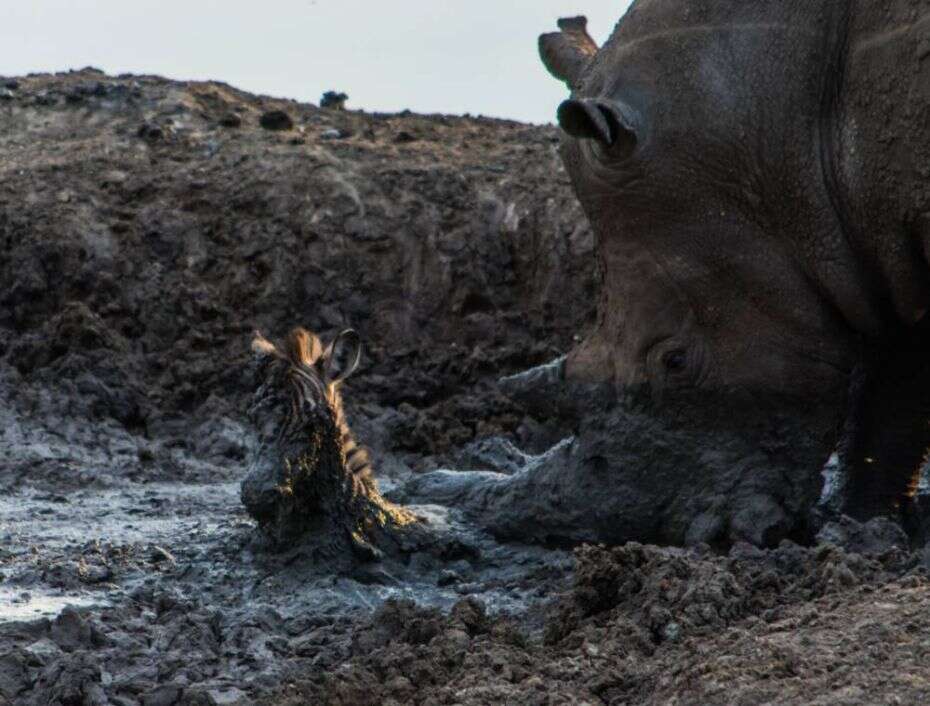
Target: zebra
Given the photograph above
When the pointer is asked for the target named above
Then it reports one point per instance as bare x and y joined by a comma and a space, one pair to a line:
309, 475
316, 374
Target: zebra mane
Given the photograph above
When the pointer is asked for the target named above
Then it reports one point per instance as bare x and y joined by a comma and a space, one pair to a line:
300, 347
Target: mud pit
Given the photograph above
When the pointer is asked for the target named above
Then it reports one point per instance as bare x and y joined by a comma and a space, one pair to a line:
143, 239
168, 588
171, 600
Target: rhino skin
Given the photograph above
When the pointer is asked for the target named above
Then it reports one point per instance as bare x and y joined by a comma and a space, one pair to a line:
756, 174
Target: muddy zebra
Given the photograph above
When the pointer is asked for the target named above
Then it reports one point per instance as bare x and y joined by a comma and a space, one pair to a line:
309, 476
315, 375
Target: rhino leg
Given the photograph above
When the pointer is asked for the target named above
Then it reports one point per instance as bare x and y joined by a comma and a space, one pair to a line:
890, 430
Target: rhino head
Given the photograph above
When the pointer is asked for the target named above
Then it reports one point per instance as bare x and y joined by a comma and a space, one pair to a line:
699, 143
704, 183
722, 171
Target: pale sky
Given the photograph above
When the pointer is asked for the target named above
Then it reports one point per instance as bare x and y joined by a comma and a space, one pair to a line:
445, 56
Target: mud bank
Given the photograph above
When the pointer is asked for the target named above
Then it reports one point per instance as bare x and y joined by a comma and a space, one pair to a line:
145, 234
648, 626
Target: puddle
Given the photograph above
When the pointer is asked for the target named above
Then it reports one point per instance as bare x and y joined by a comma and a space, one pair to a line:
155, 513
27, 605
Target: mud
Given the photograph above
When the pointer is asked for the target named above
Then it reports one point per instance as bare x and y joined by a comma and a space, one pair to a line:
136, 593
643, 625
147, 227
172, 598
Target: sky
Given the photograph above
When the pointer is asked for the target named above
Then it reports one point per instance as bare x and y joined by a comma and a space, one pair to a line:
442, 56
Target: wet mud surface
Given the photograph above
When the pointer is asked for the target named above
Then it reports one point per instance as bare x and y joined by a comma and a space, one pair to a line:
126, 593
164, 593
146, 228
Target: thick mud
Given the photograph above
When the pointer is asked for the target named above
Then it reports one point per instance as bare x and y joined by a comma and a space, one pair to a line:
137, 592
643, 625
165, 593
146, 228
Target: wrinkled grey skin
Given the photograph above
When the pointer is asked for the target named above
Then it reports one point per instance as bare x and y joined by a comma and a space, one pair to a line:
644, 471
755, 174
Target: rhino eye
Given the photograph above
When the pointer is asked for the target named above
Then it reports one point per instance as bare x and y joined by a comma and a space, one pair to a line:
675, 361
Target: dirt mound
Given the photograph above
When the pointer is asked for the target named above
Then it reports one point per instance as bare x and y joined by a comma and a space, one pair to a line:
145, 235
673, 594
648, 626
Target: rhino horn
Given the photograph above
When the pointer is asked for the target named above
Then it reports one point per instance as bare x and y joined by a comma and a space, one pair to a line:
566, 53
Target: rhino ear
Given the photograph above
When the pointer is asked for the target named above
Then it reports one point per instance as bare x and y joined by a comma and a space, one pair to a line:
566, 53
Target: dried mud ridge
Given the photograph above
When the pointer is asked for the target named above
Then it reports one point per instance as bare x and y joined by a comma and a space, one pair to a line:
146, 228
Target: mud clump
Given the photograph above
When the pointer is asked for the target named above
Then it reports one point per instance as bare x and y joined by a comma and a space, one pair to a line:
276, 120
645, 625
674, 594
406, 652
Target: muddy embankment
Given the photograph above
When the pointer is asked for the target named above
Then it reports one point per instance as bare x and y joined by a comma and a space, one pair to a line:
147, 227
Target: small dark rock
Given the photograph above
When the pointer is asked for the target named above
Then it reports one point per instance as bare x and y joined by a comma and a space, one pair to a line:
160, 554
276, 120
448, 578
11, 84
231, 120
14, 674
70, 631
334, 100
403, 137
150, 132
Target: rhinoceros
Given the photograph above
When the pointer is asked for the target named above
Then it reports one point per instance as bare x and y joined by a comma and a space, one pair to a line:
755, 173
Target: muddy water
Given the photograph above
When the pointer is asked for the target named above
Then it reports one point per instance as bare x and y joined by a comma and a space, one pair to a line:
169, 583
24, 605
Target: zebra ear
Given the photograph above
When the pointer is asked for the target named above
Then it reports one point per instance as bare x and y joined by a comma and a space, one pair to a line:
343, 356
261, 346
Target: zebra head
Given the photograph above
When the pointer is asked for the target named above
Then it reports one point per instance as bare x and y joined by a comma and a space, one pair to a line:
299, 387
307, 477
